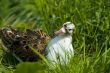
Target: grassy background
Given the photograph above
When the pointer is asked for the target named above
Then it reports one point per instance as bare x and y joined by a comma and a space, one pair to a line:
91, 39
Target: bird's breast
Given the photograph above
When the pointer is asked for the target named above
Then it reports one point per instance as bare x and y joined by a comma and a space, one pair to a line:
60, 44
60, 48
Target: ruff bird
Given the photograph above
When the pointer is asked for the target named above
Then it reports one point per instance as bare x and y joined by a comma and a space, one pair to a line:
60, 50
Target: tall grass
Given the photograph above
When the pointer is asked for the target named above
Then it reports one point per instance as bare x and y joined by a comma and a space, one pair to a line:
91, 39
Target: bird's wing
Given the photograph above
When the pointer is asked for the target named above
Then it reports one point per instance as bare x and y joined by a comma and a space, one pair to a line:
19, 42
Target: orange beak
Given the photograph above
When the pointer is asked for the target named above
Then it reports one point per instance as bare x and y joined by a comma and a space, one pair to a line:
61, 31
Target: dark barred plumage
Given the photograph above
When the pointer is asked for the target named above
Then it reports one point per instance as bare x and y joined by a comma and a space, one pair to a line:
19, 42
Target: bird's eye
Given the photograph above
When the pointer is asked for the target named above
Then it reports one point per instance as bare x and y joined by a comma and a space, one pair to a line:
70, 29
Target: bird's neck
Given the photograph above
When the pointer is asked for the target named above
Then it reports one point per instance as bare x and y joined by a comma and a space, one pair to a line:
65, 35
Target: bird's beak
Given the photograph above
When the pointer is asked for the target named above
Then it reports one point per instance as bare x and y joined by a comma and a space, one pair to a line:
61, 31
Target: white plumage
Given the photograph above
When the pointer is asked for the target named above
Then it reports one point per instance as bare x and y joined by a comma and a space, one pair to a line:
60, 49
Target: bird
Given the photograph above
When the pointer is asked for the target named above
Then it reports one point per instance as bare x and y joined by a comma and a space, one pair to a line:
57, 49
60, 50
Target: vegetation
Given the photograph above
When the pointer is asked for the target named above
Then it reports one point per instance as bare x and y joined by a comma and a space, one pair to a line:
91, 39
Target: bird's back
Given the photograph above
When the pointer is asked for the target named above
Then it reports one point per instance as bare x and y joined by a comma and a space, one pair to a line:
19, 42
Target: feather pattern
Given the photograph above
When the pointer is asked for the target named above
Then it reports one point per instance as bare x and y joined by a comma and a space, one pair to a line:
18, 42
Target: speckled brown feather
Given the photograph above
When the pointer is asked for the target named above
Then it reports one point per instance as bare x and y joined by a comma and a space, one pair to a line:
18, 42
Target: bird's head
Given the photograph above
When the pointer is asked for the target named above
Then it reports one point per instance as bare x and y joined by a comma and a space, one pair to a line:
67, 28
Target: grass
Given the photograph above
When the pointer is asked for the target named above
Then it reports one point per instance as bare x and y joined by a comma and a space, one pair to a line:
91, 39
